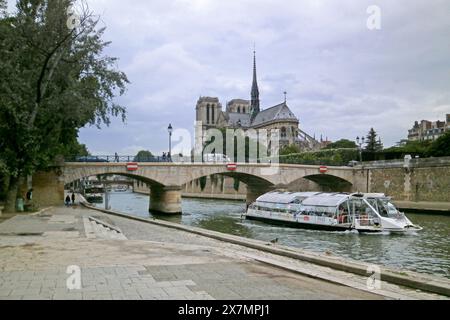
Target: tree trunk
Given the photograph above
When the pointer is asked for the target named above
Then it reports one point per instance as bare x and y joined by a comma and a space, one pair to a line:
10, 205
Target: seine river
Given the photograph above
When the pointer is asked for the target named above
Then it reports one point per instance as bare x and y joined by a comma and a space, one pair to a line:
427, 251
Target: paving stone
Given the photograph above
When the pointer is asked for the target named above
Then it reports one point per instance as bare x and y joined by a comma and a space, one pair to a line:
155, 263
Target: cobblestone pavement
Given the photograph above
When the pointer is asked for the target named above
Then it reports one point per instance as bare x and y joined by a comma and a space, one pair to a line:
139, 261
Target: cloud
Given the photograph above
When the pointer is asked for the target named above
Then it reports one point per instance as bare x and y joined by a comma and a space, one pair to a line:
341, 78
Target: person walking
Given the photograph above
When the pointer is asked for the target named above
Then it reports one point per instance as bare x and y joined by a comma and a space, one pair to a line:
29, 195
67, 201
164, 157
73, 198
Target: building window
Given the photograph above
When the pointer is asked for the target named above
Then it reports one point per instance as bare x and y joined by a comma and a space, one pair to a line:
207, 113
283, 132
213, 118
239, 110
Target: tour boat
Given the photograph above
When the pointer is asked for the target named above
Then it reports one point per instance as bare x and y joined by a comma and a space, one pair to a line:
121, 189
94, 193
330, 211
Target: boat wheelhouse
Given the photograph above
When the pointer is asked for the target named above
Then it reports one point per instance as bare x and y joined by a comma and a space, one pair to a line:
392, 219
328, 211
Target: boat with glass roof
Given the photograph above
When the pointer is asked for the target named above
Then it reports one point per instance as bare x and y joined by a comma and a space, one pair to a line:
330, 211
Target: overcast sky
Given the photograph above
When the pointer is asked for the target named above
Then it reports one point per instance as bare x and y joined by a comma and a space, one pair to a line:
341, 78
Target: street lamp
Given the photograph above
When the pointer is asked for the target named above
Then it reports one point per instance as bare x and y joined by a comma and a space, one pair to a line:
360, 143
170, 130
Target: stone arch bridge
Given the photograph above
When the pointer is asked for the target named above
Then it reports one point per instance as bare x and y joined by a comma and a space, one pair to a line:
166, 179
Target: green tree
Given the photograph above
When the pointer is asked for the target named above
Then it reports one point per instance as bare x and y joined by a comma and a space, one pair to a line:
420, 147
290, 149
73, 149
54, 79
342, 144
441, 146
3, 7
372, 143
143, 155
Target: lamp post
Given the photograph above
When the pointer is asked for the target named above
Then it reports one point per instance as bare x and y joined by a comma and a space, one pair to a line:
360, 143
170, 130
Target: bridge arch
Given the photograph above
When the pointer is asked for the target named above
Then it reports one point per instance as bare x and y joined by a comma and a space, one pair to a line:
148, 181
246, 178
255, 185
330, 183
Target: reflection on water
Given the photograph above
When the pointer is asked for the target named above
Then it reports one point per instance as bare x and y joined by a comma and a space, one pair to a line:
425, 251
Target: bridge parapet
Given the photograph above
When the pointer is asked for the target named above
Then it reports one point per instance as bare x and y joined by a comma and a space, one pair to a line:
412, 163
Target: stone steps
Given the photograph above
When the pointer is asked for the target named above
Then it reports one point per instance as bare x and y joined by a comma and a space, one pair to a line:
95, 228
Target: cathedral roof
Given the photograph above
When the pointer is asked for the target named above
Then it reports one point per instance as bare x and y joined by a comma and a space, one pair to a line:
241, 101
278, 112
239, 119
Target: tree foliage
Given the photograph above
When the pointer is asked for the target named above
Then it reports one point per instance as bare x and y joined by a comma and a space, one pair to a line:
337, 157
3, 7
54, 80
290, 149
437, 148
441, 146
342, 144
143, 155
413, 147
372, 143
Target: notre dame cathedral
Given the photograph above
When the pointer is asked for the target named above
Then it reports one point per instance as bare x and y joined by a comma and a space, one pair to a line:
245, 114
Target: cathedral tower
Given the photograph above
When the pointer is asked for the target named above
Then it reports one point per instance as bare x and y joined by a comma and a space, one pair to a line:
255, 109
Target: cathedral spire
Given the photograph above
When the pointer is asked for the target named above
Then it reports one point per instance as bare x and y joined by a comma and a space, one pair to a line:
255, 91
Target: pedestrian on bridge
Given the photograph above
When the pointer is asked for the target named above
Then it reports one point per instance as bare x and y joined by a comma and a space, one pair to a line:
73, 198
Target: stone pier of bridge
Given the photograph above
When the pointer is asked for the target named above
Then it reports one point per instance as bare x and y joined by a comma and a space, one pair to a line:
165, 199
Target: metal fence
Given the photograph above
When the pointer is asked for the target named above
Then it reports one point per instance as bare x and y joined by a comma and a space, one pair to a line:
120, 159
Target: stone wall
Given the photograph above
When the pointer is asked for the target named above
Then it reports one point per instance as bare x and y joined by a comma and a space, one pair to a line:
419, 180
389, 181
48, 189
431, 184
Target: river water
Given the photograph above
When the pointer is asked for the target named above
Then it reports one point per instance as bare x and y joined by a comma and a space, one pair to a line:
427, 251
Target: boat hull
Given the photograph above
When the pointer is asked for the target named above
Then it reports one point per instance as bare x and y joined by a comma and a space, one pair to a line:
308, 226
299, 225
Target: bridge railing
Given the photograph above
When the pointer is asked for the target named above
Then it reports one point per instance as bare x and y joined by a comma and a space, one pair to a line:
119, 159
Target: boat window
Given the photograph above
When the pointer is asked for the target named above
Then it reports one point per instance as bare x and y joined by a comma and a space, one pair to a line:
392, 210
360, 208
384, 207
